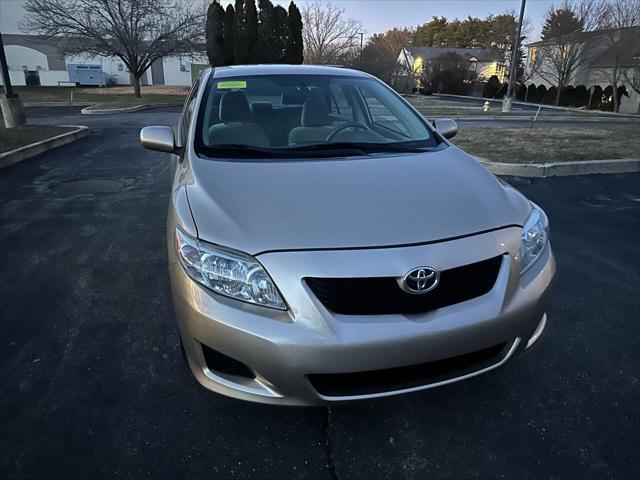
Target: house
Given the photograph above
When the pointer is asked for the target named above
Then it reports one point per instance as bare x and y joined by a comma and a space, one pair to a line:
600, 53
36, 60
486, 62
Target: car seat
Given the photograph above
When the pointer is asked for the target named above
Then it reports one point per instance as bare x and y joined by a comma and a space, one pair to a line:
236, 126
315, 123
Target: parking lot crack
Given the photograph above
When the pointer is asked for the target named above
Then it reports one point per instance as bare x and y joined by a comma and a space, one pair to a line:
328, 445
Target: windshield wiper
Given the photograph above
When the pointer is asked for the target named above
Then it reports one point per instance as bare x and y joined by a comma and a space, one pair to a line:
365, 147
338, 149
249, 151
236, 148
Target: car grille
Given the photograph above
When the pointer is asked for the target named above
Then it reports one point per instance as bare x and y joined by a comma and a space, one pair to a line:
411, 376
382, 295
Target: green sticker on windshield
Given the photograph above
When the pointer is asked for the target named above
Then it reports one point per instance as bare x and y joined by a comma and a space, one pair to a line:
232, 84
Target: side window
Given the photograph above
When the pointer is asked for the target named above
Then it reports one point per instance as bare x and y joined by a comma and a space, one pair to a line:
187, 113
339, 103
381, 115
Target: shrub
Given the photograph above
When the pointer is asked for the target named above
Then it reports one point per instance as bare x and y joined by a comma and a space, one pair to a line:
491, 87
448, 73
581, 96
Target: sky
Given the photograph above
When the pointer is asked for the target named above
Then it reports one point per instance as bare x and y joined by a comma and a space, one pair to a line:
376, 16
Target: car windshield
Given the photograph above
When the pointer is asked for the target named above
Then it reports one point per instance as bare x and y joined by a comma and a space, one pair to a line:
297, 114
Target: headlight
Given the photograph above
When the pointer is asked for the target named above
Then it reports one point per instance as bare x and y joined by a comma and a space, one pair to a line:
535, 235
227, 272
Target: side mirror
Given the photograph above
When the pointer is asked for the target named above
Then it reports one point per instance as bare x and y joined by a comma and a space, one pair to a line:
447, 127
158, 138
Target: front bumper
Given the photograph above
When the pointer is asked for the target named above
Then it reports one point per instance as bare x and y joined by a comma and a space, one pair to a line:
284, 348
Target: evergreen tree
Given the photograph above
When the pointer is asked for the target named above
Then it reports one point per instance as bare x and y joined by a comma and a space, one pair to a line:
294, 47
240, 44
502, 30
278, 50
380, 54
265, 31
251, 31
490, 32
431, 34
215, 34
473, 32
229, 35
561, 22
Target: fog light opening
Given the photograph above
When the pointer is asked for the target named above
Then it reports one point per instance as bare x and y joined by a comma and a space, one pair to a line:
220, 363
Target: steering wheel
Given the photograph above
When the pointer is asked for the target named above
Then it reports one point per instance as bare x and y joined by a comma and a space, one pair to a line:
359, 125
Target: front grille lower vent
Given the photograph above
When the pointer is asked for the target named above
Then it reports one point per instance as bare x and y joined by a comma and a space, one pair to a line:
410, 376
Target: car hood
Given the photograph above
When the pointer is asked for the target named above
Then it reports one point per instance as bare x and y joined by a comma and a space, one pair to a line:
345, 203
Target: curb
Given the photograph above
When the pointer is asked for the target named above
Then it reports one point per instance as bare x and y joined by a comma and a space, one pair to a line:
547, 118
56, 104
33, 149
136, 108
543, 118
563, 169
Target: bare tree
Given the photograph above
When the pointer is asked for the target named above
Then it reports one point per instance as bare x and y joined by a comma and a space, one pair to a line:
532, 65
139, 32
560, 56
329, 37
615, 18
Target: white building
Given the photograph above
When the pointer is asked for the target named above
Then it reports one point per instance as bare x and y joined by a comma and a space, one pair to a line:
486, 62
604, 51
34, 60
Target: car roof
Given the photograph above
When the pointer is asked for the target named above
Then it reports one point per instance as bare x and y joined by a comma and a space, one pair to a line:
246, 70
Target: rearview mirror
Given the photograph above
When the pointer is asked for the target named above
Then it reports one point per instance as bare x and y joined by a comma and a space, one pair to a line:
447, 127
158, 138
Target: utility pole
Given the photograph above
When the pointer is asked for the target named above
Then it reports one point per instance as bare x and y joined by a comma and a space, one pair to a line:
12, 109
508, 99
361, 42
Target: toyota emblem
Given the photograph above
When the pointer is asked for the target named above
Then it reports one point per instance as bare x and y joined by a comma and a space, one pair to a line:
420, 280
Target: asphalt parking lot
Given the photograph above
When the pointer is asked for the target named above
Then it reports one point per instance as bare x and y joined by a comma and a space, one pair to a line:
94, 386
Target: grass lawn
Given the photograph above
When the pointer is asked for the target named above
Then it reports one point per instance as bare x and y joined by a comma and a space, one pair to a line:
120, 96
548, 144
12, 138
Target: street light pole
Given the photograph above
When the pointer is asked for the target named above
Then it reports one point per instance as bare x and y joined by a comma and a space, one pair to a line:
10, 103
508, 99
361, 42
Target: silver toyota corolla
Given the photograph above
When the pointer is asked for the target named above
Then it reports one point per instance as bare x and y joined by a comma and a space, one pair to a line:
327, 243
